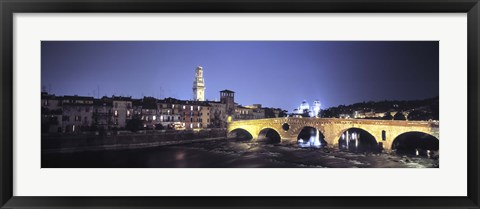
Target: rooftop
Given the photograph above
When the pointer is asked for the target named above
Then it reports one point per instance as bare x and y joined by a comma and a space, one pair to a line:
227, 91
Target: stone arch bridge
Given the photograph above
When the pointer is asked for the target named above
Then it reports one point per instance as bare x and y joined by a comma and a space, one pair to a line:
333, 128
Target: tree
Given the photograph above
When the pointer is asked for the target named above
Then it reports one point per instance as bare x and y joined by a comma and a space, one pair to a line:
306, 113
399, 116
387, 116
434, 108
419, 115
282, 113
327, 113
269, 113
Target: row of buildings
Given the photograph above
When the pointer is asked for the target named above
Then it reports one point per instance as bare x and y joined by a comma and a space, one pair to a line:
62, 114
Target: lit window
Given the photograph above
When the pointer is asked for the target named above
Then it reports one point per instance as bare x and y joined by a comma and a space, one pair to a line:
128, 113
198, 125
116, 113
161, 117
173, 106
191, 108
183, 106
198, 108
154, 117
191, 125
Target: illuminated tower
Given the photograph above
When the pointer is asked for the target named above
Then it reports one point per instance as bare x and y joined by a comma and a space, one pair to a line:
316, 108
199, 85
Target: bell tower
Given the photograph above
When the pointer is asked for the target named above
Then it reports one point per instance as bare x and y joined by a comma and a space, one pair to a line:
199, 85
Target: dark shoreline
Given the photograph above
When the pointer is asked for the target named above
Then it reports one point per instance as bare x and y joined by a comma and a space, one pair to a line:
106, 147
124, 140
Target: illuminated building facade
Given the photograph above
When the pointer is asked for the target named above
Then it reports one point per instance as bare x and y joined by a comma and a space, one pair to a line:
193, 114
147, 107
168, 110
122, 111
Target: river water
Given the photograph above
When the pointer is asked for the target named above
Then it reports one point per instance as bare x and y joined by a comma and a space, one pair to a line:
231, 154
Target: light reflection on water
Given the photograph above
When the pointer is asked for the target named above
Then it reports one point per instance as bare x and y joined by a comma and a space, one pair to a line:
229, 154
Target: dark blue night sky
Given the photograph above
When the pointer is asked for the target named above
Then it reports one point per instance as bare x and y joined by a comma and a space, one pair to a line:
272, 73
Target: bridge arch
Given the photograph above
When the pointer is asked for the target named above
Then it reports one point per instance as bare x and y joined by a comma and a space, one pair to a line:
269, 135
240, 133
416, 143
358, 140
307, 132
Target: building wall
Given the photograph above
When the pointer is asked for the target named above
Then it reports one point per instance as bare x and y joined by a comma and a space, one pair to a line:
243, 113
149, 117
122, 111
218, 116
205, 116
51, 114
228, 98
168, 114
77, 118
102, 116
191, 115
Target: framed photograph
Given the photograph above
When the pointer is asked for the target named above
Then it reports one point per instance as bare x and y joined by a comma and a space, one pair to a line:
239, 104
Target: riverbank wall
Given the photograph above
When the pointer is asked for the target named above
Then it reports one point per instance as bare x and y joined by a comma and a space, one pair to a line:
91, 141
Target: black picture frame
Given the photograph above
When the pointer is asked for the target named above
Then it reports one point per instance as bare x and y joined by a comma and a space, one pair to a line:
9, 7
